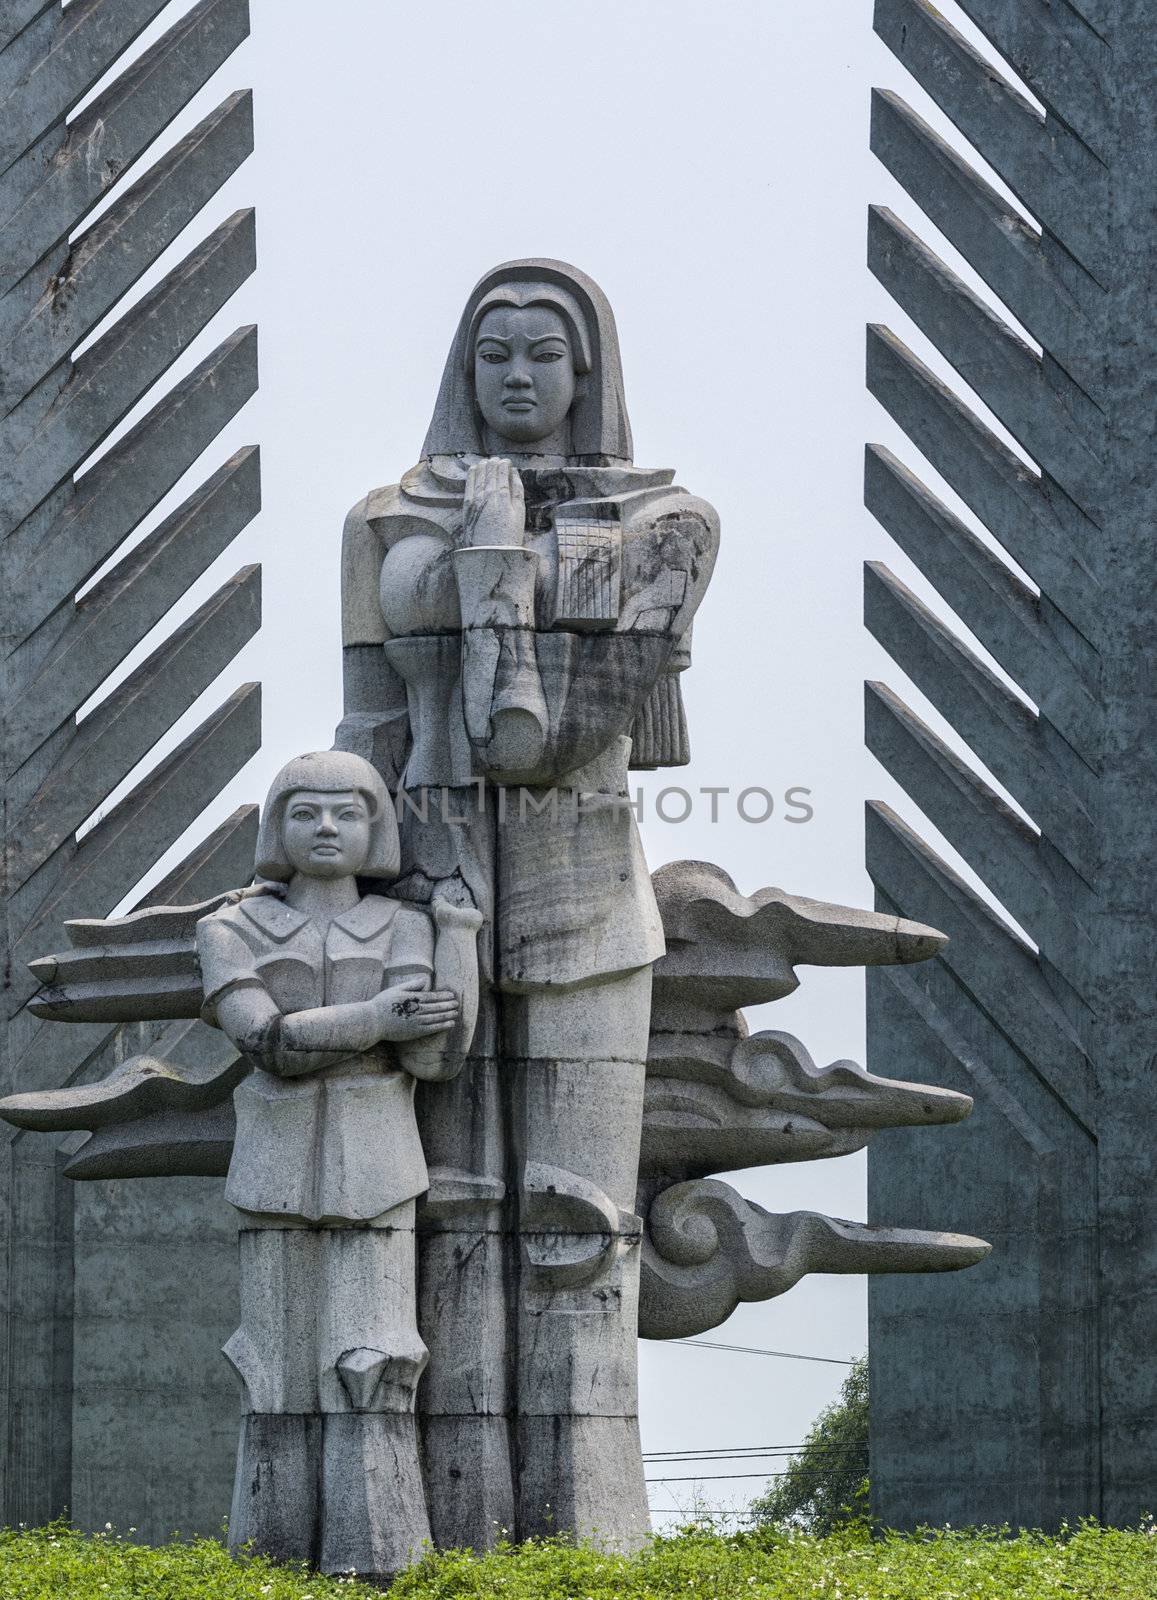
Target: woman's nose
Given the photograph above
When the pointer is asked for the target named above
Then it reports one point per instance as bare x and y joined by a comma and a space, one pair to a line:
326, 825
518, 378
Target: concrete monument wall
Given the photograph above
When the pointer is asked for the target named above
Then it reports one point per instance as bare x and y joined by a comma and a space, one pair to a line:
99, 1334
1028, 1392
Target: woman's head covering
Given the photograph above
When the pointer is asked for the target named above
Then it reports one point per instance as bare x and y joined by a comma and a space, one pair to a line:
329, 772
600, 430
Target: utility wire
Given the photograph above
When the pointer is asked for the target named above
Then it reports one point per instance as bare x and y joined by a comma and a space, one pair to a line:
707, 1511
718, 1477
718, 1461
721, 1477
747, 1451
752, 1350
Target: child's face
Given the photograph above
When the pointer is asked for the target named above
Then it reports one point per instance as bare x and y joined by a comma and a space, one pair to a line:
327, 835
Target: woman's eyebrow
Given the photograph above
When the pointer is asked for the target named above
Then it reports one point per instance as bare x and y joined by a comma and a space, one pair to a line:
548, 338
493, 338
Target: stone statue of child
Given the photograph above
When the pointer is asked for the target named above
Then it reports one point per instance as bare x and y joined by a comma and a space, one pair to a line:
329, 994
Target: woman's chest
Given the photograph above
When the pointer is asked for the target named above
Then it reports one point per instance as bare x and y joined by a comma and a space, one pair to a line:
419, 590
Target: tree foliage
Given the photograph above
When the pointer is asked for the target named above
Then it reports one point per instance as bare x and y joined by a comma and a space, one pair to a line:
826, 1485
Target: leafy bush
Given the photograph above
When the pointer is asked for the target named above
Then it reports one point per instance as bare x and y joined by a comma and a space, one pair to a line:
826, 1485
771, 1564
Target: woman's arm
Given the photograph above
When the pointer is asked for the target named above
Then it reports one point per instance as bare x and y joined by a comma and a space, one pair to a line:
545, 695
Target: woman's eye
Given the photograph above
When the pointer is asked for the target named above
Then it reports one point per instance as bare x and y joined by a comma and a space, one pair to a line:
492, 355
302, 816
549, 355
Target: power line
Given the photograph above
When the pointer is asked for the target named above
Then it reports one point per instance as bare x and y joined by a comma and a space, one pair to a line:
737, 1452
729, 1477
752, 1350
698, 1515
831, 1459
718, 1477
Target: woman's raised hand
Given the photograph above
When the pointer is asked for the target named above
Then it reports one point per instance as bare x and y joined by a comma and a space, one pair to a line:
411, 1012
494, 504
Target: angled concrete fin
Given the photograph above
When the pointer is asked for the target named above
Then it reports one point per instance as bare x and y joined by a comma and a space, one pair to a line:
17, 15
1058, 54
54, 66
1004, 613
224, 859
991, 236
138, 830
986, 956
1002, 849
51, 433
117, 613
1055, 176
49, 190
121, 731
1005, 733
60, 546
995, 362
38, 330
1045, 534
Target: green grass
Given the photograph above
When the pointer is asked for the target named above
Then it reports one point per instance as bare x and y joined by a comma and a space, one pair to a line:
1089, 1563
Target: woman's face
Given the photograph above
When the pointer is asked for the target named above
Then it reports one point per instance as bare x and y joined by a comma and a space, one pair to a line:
523, 372
326, 835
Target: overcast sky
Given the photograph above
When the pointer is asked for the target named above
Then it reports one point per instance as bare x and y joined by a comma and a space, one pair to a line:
709, 167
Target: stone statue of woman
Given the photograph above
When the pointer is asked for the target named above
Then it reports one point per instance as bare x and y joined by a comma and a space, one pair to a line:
517, 612
327, 992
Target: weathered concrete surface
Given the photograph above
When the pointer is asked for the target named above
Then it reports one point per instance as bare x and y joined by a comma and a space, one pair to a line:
1027, 1393
100, 1330
146, 1346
